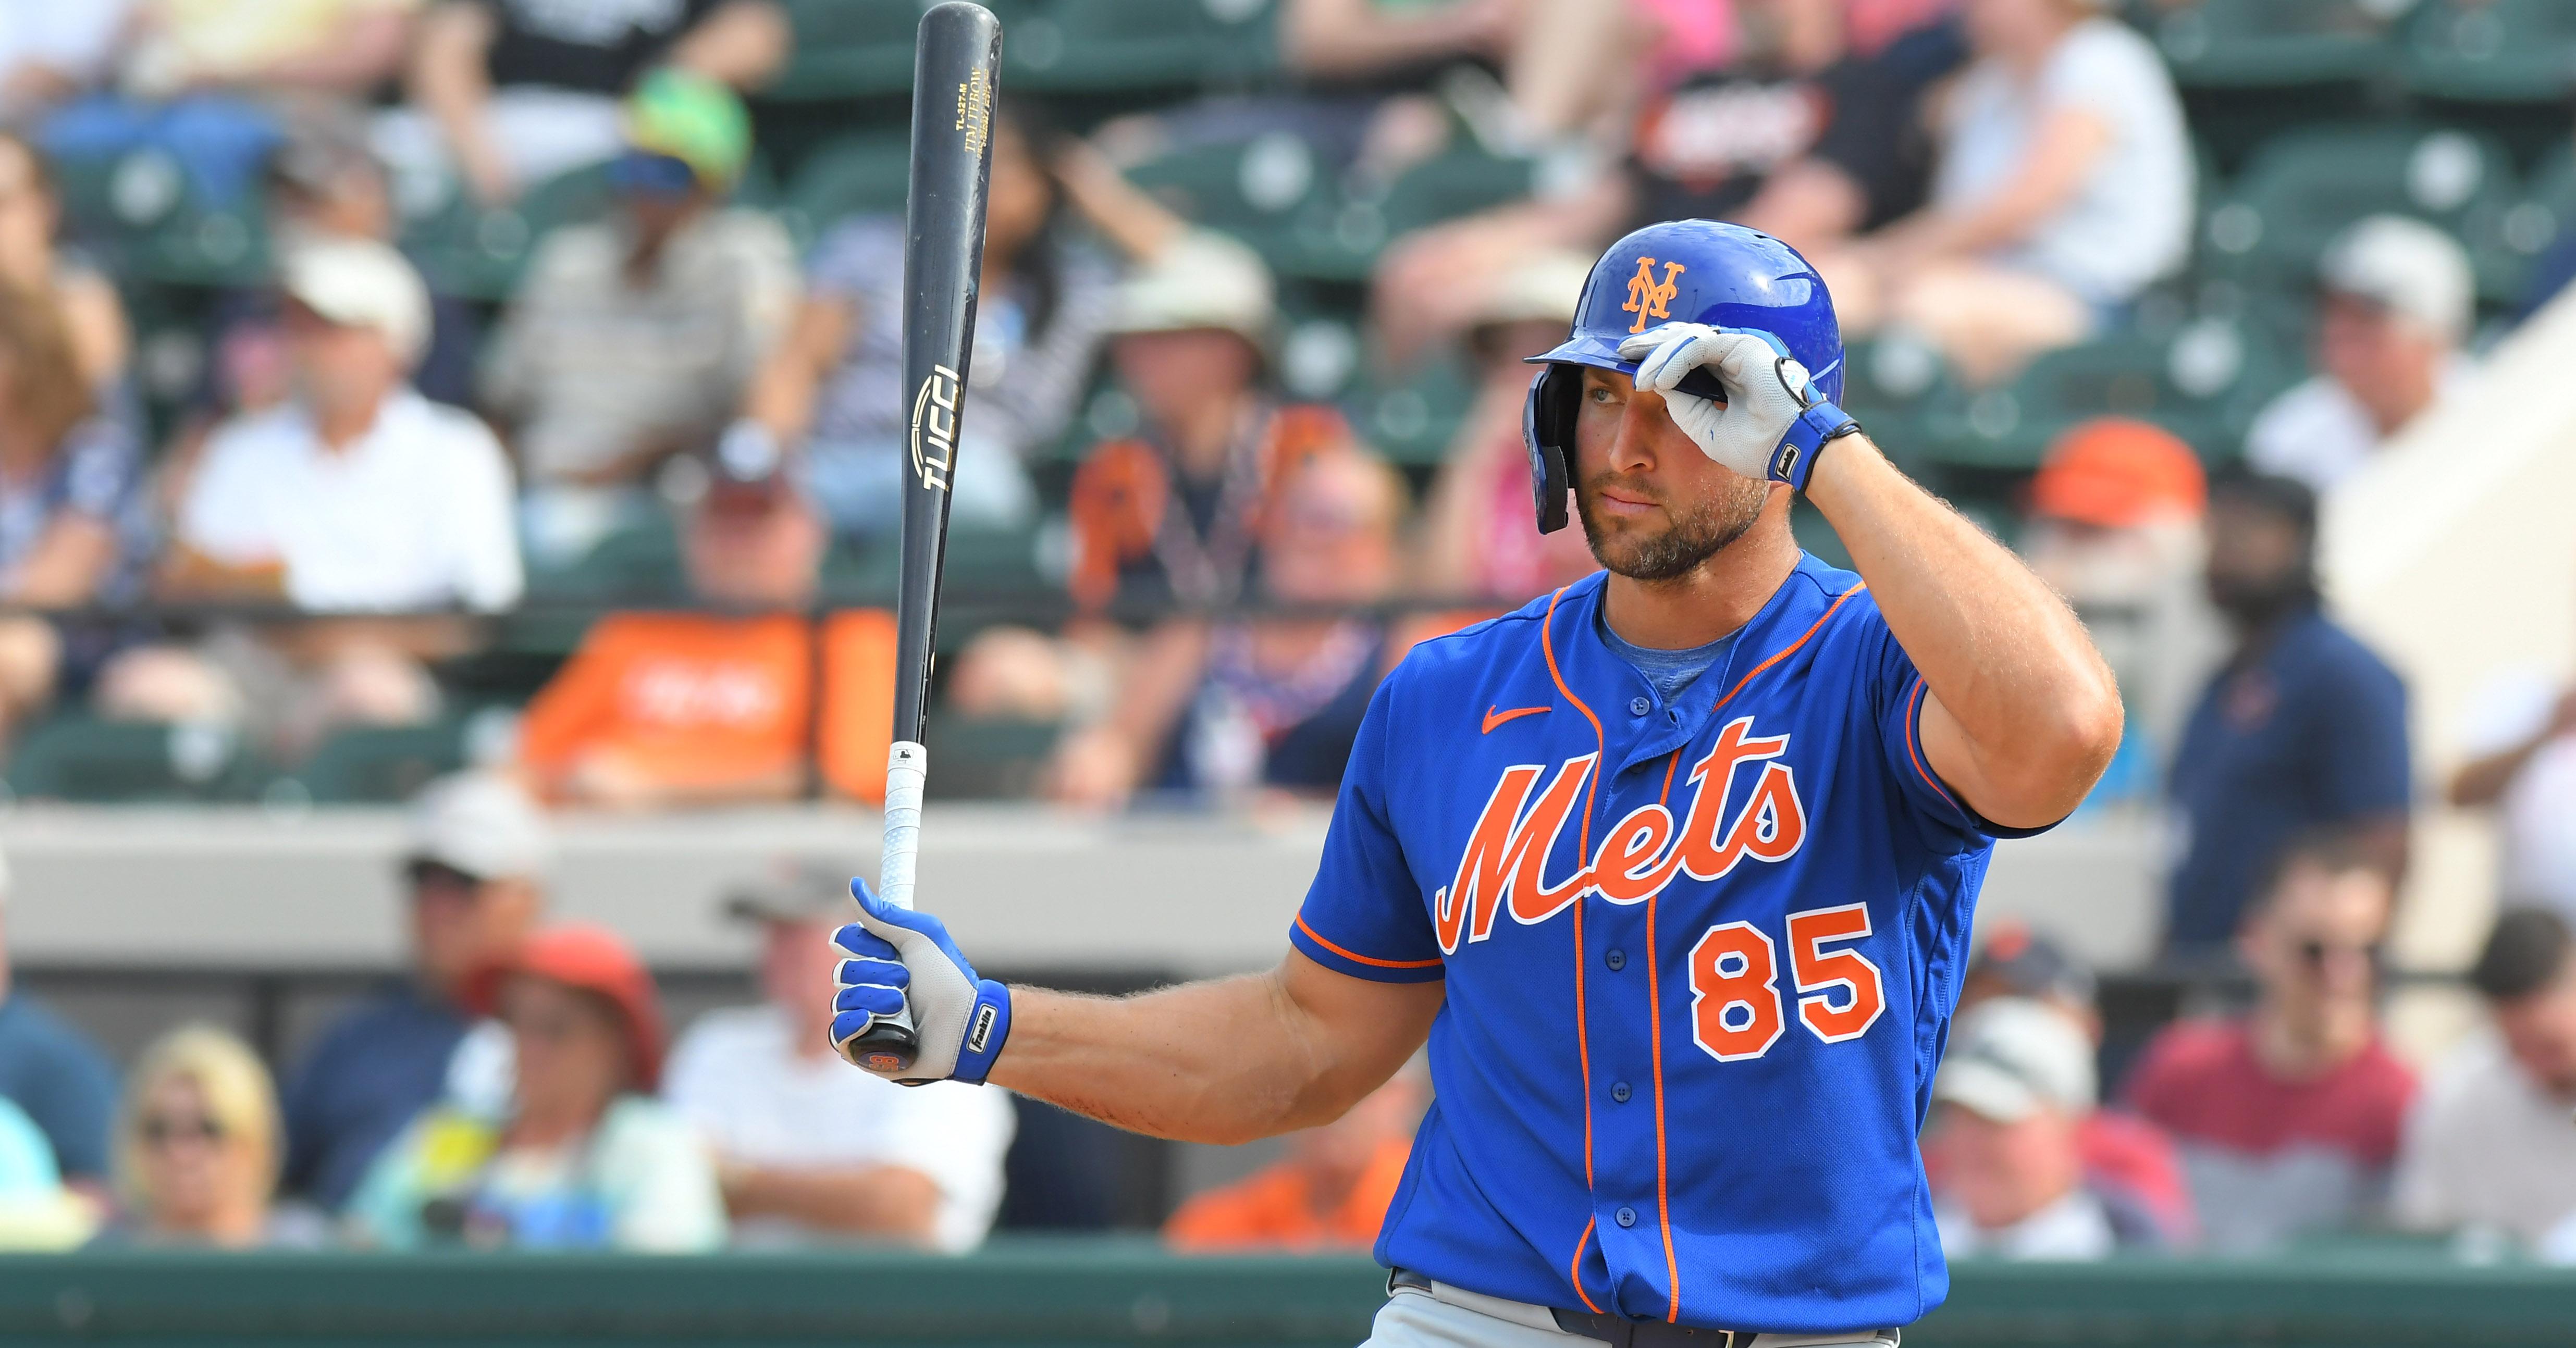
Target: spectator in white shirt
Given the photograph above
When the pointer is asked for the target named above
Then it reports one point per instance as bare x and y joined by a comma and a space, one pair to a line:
2522, 745
2394, 305
808, 1147
2063, 188
2491, 1145
355, 496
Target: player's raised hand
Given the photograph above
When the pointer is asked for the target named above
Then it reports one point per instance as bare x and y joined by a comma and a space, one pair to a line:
896, 952
1768, 394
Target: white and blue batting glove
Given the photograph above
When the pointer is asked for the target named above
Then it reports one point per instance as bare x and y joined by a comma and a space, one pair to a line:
961, 1019
1773, 420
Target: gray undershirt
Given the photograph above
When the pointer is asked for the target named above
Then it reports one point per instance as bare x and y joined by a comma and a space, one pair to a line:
1672, 672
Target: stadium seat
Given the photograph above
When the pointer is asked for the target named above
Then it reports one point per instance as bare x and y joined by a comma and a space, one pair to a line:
79, 758
1123, 46
639, 563
2304, 187
2276, 44
985, 759
1891, 384
1412, 422
2548, 208
2203, 382
1461, 182
2492, 51
377, 765
475, 252
865, 172
847, 49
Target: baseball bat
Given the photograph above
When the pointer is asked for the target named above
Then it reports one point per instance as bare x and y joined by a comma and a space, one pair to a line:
956, 58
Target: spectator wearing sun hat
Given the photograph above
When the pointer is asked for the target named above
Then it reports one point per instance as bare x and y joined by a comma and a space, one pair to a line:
2395, 300
583, 1157
2115, 517
632, 337
1173, 511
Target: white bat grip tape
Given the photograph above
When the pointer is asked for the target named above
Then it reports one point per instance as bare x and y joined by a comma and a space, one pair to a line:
907, 767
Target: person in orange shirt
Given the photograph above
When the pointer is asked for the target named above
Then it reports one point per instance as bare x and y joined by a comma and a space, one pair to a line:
1329, 1193
662, 709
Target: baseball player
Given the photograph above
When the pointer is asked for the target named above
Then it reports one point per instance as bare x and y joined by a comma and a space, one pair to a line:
1674, 867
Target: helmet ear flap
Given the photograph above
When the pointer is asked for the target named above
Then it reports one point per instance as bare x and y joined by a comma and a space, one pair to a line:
1547, 429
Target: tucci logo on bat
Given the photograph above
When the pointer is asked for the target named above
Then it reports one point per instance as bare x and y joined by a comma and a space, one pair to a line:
1638, 856
934, 428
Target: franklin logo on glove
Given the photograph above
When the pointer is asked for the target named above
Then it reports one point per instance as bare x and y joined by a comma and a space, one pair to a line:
963, 1020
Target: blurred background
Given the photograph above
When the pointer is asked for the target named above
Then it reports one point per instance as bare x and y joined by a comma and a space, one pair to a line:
448, 493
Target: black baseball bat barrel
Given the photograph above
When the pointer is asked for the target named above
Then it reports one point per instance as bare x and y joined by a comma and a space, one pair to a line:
956, 59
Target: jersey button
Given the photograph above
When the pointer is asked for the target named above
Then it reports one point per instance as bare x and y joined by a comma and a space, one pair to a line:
1617, 960
1638, 706
1619, 1091
1626, 1216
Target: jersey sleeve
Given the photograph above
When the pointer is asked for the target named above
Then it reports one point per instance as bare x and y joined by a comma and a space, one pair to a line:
1897, 697
1364, 915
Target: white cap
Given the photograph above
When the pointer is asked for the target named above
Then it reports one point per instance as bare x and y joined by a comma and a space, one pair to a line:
1542, 287
1202, 279
480, 823
361, 283
2011, 1057
2406, 266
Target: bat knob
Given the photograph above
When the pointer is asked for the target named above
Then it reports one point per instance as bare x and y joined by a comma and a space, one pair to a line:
887, 1047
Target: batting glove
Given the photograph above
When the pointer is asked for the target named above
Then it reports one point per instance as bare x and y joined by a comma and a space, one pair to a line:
1773, 420
961, 1019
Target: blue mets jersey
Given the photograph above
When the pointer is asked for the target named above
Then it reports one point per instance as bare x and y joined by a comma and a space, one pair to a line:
1700, 961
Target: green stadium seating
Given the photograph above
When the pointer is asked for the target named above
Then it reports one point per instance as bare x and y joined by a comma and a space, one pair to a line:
848, 49
981, 759
637, 563
2204, 382
2304, 187
865, 172
1461, 182
476, 252
1891, 384
2276, 44
1123, 46
1412, 422
2492, 51
379, 765
83, 759
2548, 208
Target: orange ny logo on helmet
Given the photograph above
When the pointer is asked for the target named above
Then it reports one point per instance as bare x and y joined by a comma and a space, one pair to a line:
1647, 299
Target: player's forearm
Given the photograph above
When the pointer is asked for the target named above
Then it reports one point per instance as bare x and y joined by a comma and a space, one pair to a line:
1222, 1062
2004, 655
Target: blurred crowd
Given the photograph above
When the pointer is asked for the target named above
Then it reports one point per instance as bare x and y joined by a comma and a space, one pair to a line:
371, 472
1218, 562
520, 1086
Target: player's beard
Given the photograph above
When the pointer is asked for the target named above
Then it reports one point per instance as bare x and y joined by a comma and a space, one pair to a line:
1698, 531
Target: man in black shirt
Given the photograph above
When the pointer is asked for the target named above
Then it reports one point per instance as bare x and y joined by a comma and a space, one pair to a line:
522, 90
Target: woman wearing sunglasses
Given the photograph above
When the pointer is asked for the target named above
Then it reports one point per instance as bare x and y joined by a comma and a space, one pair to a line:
198, 1148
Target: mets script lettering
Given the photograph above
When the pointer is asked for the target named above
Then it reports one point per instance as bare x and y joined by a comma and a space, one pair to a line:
1646, 299
934, 427
1502, 869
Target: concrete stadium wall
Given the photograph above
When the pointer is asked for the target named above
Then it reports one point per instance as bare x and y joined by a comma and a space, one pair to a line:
1023, 886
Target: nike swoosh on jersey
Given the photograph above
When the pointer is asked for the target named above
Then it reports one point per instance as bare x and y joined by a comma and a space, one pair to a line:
1494, 718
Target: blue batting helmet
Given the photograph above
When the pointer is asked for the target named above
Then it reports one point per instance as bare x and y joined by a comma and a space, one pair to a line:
1681, 271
